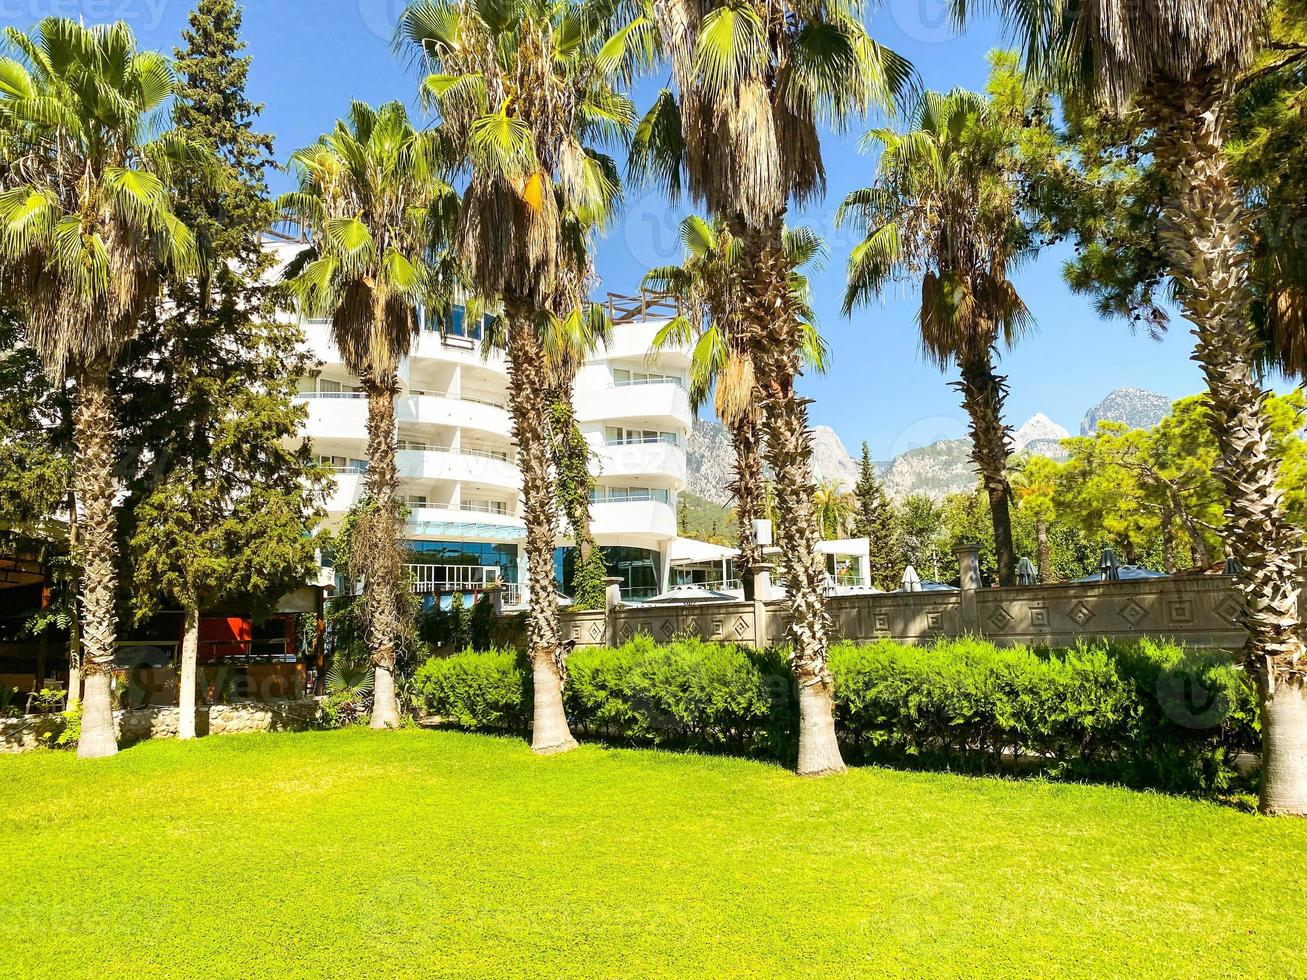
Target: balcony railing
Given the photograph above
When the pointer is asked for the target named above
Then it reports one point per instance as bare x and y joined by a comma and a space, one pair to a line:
429, 579
628, 309
332, 394
484, 507
458, 397
406, 445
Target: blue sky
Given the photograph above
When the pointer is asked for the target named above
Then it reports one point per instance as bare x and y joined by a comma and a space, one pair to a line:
311, 57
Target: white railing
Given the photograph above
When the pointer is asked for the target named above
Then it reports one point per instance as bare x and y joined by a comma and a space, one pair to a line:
639, 382
407, 445
453, 578
331, 394
631, 496
458, 397
666, 439
477, 507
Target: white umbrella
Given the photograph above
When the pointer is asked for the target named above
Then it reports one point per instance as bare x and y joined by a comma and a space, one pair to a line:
690, 594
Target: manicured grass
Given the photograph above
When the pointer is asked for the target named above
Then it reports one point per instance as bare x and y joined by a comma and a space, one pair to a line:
434, 853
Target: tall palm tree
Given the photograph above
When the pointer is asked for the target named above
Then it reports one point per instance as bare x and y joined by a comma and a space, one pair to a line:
753, 81
373, 196
944, 208
705, 287
87, 233
1176, 63
526, 96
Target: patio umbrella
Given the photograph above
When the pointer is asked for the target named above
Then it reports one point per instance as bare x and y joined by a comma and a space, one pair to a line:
689, 594
1108, 567
911, 580
1026, 572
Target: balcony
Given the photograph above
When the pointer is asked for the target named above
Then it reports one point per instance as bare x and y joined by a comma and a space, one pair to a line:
661, 404
633, 518
457, 350
465, 465
641, 459
480, 413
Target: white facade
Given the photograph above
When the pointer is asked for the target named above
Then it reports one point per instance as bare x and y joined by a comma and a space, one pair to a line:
457, 459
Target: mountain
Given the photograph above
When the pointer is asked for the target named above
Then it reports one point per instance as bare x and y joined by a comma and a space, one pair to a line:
1135, 407
1040, 435
709, 461
936, 470
830, 460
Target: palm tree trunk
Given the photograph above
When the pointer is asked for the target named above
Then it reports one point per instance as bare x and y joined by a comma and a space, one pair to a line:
93, 481
381, 563
74, 618
527, 402
1043, 555
788, 450
983, 395
746, 439
186, 680
1203, 230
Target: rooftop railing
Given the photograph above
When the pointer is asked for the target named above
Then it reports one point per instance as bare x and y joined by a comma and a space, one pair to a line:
629, 309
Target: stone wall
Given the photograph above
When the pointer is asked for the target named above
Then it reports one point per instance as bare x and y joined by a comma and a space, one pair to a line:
1200, 611
31, 731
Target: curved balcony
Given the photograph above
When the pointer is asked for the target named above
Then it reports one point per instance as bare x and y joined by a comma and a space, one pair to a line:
642, 459
456, 350
336, 415
348, 491
446, 522
634, 341
468, 466
636, 518
453, 410
663, 404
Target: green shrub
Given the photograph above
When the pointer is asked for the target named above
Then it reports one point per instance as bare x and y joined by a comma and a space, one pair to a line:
1151, 714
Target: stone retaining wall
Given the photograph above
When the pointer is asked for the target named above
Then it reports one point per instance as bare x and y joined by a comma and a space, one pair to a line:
1198, 610
31, 731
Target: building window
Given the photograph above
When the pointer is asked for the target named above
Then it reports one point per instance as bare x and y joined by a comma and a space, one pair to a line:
624, 377
616, 435
344, 464
626, 495
636, 567
484, 506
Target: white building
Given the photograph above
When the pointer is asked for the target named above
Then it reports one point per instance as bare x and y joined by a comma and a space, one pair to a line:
456, 456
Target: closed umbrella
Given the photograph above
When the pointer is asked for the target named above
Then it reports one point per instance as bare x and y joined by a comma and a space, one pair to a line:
1108, 567
911, 580
1026, 572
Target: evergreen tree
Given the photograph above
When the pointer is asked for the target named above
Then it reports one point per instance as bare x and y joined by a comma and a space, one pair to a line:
223, 496
875, 520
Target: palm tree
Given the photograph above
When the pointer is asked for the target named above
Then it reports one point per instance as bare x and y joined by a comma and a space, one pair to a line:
753, 80
944, 208
372, 195
1176, 63
87, 234
525, 94
704, 286
835, 509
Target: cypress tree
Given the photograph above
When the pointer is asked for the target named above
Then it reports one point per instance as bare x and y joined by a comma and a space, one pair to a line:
224, 493
874, 520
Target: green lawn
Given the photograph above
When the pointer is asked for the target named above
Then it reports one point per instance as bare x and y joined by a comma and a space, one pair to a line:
432, 853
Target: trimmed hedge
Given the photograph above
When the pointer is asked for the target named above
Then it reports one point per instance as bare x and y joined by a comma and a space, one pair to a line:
1151, 714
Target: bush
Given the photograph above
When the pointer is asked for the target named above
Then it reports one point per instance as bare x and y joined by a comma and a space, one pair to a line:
1150, 714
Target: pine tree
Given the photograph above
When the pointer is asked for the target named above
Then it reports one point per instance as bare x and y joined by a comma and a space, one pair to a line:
874, 520
224, 493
